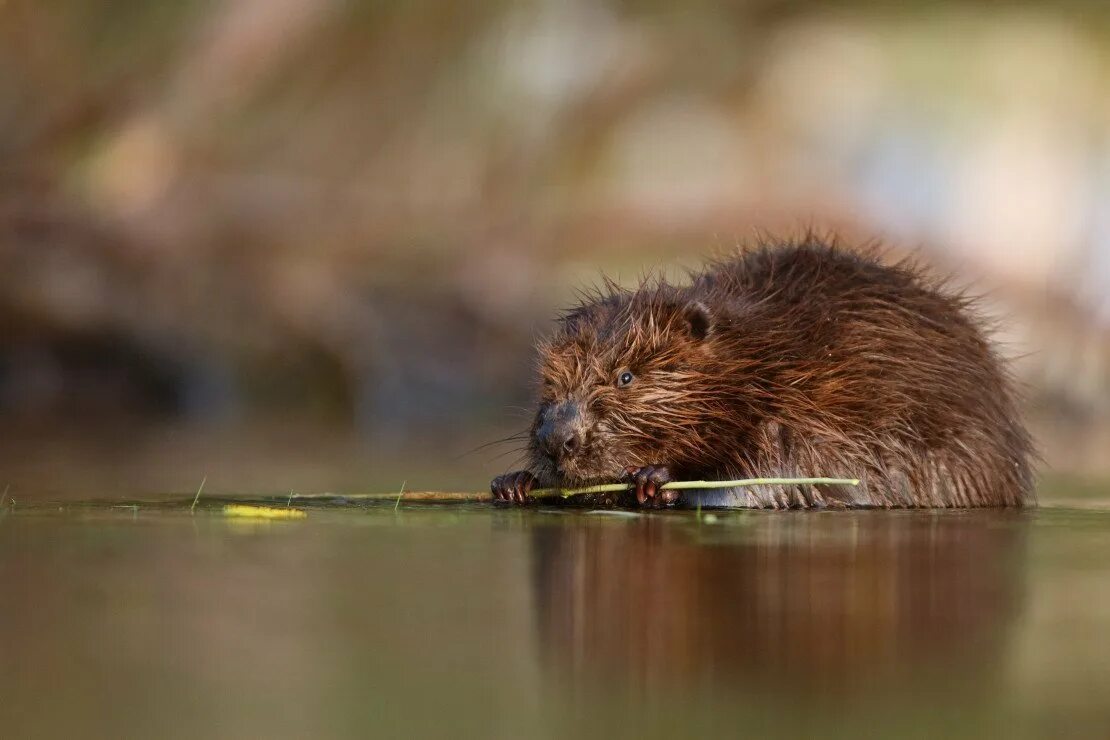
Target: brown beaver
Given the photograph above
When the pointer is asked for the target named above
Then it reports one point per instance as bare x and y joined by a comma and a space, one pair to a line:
798, 359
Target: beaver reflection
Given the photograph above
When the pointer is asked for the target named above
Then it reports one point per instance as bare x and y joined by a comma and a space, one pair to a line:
818, 601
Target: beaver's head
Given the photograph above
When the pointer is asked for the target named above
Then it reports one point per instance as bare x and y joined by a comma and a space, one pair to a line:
623, 385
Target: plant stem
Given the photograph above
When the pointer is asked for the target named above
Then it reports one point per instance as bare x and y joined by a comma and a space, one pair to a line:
544, 493
197, 497
399, 495
688, 484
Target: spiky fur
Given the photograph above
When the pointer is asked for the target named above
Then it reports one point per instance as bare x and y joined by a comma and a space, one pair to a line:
792, 360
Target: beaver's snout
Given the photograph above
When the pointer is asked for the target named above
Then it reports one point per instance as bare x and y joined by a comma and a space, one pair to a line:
562, 430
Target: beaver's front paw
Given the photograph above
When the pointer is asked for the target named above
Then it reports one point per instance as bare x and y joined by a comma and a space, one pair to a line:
649, 481
512, 487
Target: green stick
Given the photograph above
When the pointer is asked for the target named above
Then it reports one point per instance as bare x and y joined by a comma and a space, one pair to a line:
541, 493
688, 484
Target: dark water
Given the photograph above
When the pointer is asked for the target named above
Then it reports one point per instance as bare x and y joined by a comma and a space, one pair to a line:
476, 621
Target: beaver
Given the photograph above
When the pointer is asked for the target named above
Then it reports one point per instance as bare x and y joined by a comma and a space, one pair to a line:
789, 359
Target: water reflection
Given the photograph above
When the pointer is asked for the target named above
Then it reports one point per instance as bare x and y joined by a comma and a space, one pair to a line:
830, 603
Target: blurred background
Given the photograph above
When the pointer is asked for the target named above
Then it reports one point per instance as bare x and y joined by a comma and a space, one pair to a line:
307, 244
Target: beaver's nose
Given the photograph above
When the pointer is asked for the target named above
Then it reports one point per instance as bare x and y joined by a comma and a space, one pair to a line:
560, 433
559, 439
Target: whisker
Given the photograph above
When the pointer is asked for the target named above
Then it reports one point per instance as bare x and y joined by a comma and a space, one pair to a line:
516, 437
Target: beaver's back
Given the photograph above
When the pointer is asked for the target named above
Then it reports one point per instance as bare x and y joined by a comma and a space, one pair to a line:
870, 371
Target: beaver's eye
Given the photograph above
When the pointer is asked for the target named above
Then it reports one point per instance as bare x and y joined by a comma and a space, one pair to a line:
625, 378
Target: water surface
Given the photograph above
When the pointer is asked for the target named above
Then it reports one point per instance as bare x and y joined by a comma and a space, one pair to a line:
475, 620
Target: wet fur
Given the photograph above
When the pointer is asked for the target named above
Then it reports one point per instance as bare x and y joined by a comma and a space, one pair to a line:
791, 360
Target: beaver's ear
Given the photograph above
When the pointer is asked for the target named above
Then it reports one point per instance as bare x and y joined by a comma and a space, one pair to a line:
573, 320
570, 320
699, 319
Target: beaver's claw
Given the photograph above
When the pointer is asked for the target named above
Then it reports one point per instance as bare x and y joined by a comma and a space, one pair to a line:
649, 481
513, 487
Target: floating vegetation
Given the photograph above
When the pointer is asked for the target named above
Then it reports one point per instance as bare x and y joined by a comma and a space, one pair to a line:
248, 511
